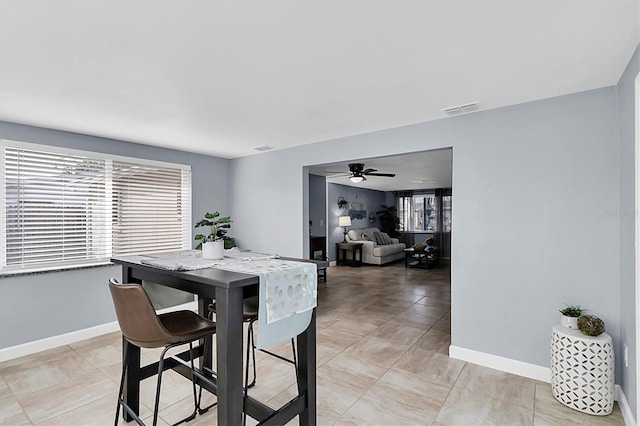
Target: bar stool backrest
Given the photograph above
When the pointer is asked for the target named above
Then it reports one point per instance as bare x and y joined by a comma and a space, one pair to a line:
138, 320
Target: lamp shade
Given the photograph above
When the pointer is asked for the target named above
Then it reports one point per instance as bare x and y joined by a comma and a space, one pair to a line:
344, 221
356, 179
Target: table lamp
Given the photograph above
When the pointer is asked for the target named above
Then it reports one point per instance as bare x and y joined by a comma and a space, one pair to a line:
344, 221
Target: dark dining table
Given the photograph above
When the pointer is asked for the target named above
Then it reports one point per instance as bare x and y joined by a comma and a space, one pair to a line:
228, 289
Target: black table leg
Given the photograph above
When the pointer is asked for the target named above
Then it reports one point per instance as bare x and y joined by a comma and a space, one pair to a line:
307, 372
131, 391
206, 360
229, 331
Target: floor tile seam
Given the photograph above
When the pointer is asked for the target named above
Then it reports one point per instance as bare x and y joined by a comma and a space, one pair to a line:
439, 317
425, 321
491, 396
453, 385
18, 396
160, 415
320, 365
402, 341
93, 399
95, 366
15, 397
347, 385
363, 393
535, 403
22, 364
400, 403
67, 412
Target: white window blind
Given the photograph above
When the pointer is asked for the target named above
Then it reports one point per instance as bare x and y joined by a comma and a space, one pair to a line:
66, 208
147, 208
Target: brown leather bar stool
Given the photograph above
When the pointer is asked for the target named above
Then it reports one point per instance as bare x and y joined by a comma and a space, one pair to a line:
142, 327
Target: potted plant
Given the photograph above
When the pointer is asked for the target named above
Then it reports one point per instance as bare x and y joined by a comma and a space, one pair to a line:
570, 316
389, 220
212, 244
591, 325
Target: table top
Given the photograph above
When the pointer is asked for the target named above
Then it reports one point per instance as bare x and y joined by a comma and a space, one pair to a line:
577, 334
426, 249
348, 245
211, 276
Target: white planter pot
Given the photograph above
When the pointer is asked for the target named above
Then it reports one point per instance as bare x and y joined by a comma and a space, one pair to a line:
569, 322
213, 250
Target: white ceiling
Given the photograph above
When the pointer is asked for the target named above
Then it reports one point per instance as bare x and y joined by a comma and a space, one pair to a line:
223, 77
419, 170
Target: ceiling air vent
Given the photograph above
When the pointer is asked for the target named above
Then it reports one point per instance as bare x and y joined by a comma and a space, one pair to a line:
263, 148
459, 109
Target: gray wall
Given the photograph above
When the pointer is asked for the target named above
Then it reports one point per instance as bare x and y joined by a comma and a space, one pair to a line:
318, 205
42, 305
532, 183
627, 215
372, 199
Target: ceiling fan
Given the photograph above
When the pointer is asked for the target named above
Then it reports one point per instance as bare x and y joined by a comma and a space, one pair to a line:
358, 173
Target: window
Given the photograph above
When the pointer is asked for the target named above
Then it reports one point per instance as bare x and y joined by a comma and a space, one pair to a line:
68, 208
417, 212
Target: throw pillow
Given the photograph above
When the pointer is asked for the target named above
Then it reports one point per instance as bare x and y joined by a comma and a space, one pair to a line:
386, 238
365, 237
378, 238
354, 235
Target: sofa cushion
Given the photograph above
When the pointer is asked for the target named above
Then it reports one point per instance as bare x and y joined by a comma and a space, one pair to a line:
369, 232
388, 249
355, 235
386, 238
381, 238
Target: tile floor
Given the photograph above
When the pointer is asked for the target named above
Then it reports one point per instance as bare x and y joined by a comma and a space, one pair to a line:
383, 337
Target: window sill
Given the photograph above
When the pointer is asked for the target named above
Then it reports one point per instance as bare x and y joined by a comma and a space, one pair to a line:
33, 271
417, 232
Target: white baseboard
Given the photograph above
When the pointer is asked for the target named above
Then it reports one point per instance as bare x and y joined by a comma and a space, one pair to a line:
333, 263
627, 415
74, 336
507, 365
530, 371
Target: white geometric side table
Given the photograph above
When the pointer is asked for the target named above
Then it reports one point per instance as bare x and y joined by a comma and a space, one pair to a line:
582, 370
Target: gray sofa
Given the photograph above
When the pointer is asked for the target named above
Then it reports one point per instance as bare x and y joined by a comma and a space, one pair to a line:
372, 252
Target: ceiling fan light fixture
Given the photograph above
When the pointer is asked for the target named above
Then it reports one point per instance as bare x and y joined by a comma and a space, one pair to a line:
356, 178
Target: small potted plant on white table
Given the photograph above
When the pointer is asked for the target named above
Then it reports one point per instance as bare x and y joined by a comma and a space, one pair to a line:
570, 316
212, 244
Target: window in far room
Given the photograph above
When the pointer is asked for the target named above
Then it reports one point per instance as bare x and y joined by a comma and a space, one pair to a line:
417, 212
68, 208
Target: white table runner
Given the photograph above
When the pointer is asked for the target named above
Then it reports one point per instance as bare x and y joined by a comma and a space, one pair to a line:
288, 290
288, 294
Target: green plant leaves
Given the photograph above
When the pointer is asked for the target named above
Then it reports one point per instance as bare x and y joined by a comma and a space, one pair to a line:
218, 225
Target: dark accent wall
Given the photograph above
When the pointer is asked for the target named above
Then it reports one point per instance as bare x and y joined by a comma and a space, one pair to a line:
318, 205
373, 200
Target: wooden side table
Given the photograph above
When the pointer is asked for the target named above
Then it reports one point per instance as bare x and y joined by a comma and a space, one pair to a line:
582, 370
356, 252
317, 244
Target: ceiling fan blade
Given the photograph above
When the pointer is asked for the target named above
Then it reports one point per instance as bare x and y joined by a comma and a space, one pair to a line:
367, 171
381, 174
